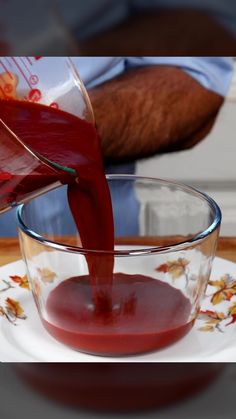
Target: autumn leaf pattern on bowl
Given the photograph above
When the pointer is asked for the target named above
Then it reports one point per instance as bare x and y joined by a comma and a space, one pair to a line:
212, 338
217, 313
222, 290
12, 309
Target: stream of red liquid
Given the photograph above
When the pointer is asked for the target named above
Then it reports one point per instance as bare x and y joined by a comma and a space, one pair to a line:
101, 313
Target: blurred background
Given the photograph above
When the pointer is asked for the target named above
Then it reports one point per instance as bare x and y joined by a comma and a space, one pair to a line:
109, 27
19, 400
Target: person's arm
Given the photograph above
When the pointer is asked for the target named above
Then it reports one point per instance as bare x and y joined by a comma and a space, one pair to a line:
150, 110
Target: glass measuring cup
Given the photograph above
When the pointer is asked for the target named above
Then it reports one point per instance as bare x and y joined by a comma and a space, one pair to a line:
50, 81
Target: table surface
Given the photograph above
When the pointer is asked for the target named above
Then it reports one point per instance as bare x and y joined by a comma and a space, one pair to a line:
10, 252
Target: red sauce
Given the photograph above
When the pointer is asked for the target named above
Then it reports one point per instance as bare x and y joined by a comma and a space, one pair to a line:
68, 141
100, 313
146, 314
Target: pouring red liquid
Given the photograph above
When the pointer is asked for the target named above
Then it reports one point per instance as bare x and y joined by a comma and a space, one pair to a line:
108, 314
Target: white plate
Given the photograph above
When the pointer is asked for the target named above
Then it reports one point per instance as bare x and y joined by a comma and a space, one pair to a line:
212, 338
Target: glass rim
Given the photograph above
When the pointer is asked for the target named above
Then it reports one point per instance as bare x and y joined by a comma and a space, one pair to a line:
133, 252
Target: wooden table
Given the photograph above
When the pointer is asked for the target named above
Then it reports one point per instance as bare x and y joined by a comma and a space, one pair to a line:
9, 249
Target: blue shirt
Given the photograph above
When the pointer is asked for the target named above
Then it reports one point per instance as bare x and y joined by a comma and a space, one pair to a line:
92, 16
214, 73
85, 18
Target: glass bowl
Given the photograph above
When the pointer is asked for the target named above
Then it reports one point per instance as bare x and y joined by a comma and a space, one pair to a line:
165, 240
